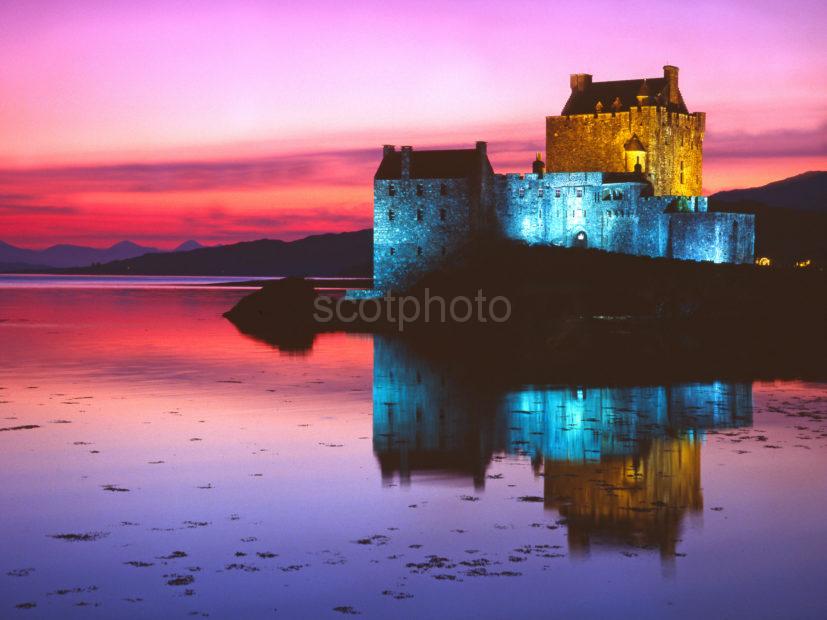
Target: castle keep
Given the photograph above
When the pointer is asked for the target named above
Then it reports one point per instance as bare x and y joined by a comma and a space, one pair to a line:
623, 173
616, 126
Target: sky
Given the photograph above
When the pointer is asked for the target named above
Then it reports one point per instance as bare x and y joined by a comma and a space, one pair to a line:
231, 120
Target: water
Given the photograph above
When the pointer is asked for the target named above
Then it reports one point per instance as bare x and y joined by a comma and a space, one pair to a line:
8, 281
365, 477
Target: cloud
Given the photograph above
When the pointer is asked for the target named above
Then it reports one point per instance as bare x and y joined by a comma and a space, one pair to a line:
341, 167
7, 208
777, 143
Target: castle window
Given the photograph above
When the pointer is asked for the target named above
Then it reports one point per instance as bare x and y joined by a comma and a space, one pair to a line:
618, 194
419, 250
681, 172
419, 215
557, 192
442, 215
391, 215
540, 192
393, 251
607, 194
443, 190
579, 192
419, 189
391, 190
521, 192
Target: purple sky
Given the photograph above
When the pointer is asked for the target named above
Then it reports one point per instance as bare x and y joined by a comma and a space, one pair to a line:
241, 85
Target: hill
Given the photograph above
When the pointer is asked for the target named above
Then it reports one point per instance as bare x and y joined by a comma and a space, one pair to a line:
790, 216
339, 254
65, 255
804, 192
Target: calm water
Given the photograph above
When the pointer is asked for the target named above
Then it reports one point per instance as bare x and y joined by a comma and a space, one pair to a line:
14, 281
207, 473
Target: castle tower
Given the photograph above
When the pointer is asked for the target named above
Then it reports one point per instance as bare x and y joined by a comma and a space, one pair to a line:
614, 126
538, 167
635, 155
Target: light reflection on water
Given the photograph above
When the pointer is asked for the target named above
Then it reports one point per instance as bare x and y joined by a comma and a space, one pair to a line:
381, 480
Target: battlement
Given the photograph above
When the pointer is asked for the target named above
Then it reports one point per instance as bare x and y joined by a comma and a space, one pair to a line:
662, 113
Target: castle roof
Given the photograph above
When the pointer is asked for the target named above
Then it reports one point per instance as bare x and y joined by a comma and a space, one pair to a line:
442, 164
633, 144
585, 101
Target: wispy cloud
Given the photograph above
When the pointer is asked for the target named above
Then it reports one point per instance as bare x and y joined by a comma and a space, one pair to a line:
776, 143
343, 167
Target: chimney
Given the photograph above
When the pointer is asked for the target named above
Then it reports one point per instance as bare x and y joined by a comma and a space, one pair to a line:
387, 149
670, 74
538, 167
482, 158
579, 82
405, 170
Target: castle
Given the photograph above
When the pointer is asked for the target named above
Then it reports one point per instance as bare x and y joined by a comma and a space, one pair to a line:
623, 173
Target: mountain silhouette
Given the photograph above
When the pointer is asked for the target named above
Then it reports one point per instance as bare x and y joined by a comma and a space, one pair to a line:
790, 216
333, 254
805, 192
67, 255
187, 246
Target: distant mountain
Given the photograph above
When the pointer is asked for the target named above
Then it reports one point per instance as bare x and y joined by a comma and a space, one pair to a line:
65, 255
790, 216
340, 254
22, 267
187, 246
807, 191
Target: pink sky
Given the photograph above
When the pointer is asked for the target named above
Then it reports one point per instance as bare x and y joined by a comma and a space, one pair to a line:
224, 121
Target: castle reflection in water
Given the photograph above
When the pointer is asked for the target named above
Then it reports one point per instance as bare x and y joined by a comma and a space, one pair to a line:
622, 465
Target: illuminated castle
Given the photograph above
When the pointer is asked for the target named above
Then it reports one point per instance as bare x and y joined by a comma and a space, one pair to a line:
623, 174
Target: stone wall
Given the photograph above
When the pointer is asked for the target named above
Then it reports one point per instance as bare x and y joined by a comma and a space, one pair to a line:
578, 209
673, 142
420, 223
715, 237
417, 224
